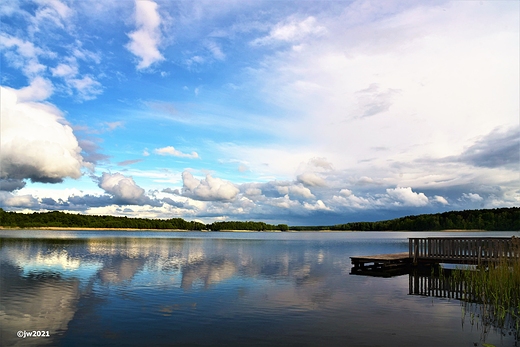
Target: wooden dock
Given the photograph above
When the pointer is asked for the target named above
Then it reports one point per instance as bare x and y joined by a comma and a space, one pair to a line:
380, 265
435, 250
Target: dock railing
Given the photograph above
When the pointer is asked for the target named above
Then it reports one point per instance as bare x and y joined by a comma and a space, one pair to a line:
469, 250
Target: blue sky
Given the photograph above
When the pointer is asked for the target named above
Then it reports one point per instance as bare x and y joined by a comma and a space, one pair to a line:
305, 112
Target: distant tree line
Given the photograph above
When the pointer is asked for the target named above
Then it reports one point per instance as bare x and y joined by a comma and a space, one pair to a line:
61, 219
488, 219
236, 225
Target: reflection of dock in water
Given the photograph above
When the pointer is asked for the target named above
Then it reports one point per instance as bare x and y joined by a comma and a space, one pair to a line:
435, 250
442, 285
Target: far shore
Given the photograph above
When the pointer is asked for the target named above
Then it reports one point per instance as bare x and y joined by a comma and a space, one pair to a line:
236, 231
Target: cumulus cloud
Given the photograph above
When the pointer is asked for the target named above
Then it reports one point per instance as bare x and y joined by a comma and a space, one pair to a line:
208, 189
321, 163
349, 199
145, 40
440, 199
171, 191
473, 197
8, 199
169, 150
345, 192
36, 142
124, 190
311, 179
407, 197
300, 190
295, 190
253, 192
317, 206
284, 202
11, 184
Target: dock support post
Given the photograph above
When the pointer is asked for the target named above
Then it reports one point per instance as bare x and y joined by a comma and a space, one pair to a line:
415, 251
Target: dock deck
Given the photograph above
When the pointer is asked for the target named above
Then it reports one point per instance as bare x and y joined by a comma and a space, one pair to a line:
381, 263
435, 250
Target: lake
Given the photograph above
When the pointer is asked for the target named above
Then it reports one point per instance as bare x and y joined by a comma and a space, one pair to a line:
106, 288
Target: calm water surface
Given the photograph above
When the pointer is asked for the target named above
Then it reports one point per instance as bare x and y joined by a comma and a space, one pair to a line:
92, 288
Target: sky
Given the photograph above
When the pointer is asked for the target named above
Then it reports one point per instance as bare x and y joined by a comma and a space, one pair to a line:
295, 112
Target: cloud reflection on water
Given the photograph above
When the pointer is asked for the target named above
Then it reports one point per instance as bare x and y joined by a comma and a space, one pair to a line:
283, 290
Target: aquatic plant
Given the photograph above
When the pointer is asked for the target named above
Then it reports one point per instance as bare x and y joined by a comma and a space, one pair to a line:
492, 292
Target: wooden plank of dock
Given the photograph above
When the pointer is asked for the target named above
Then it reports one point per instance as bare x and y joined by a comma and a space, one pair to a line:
379, 263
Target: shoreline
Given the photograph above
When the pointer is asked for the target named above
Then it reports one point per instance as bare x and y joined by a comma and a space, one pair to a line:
236, 231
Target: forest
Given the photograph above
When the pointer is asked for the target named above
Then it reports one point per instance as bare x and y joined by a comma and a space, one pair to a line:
485, 219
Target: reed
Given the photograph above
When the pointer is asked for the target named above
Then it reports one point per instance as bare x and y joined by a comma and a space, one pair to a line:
492, 293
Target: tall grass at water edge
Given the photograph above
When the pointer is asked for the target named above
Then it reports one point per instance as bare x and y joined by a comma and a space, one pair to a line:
492, 293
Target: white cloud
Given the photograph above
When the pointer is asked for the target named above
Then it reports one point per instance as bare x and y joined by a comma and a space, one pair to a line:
440, 199
36, 142
60, 8
345, 192
145, 40
169, 150
124, 189
300, 190
291, 30
24, 56
215, 50
348, 199
284, 202
311, 179
49, 12
405, 196
10, 200
65, 70
293, 190
87, 87
321, 163
253, 191
382, 80
208, 189
471, 197
39, 89
318, 206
